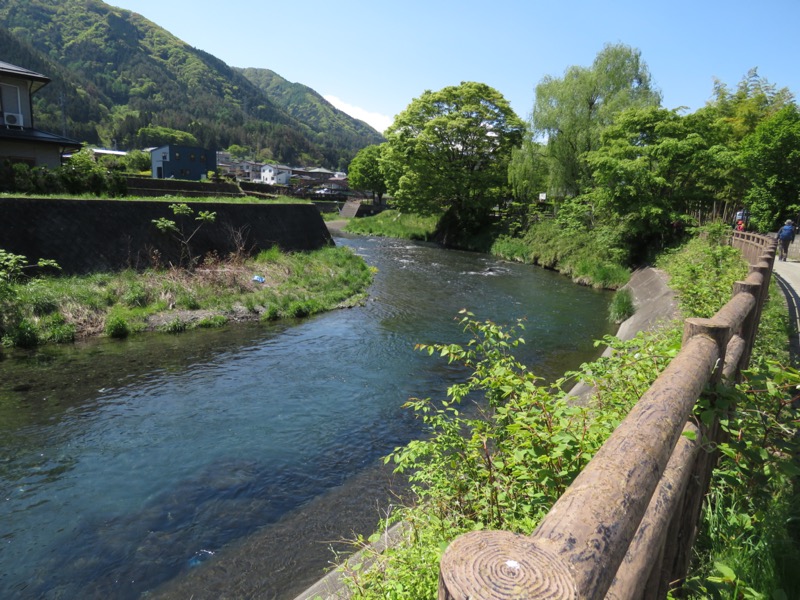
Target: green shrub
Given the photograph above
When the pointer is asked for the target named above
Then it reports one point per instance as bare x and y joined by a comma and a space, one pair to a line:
176, 325
55, 329
589, 258
271, 255
621, 307
117, 327
271, 313
702, 272
187, 301
24, 334
303, 308
136, 295
212, 322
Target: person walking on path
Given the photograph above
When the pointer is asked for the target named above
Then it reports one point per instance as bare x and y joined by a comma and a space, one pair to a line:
785, 237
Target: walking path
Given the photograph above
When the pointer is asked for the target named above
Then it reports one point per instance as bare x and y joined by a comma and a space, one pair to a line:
787, 274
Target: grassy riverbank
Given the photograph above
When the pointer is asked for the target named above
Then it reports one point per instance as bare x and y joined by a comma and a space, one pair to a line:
62, 309
578, 254
503, 468
391, 223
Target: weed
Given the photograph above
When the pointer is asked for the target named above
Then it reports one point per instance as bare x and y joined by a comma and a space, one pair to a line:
55, 329
25, 335
212, 322
117, 327
621, 307
392, 223
176, 325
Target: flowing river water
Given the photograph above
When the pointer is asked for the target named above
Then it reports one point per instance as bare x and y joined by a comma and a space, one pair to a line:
229, 462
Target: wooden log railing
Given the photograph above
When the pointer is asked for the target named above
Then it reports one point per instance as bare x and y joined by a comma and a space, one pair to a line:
625, 527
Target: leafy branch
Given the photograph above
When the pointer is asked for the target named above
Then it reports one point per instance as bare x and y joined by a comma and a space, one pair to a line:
168, 226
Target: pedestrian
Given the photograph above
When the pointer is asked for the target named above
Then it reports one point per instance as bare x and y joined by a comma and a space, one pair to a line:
785, 237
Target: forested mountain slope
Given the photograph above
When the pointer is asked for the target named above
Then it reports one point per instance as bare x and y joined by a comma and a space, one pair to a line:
119, 78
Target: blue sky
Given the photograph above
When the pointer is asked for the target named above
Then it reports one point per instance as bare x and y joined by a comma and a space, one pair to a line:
371, 58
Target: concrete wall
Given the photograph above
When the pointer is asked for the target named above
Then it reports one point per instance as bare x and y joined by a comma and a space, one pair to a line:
146, 186
105, 235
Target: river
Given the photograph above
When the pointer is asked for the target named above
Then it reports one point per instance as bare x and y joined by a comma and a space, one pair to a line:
232, 460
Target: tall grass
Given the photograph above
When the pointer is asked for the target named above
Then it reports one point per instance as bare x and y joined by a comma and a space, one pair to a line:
391, 223
61, 309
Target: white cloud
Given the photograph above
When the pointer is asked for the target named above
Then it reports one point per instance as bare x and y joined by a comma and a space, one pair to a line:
378, 121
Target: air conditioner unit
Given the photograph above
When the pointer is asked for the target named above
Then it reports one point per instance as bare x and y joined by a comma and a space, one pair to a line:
14, 119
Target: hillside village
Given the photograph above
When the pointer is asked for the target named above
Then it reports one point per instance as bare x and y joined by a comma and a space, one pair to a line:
20, 141
276, 174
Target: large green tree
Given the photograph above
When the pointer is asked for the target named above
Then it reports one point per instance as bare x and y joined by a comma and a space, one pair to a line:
447, 153
652, 171
570, 113
771, 155
364, 172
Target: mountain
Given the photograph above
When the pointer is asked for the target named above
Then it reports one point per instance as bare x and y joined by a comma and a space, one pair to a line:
119, 78
308, 106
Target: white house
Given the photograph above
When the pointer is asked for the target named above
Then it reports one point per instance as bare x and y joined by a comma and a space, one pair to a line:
275, 174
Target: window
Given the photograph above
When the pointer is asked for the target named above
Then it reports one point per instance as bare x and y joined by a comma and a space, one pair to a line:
11, 98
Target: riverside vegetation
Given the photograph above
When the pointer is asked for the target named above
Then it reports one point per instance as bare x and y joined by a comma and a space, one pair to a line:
35, 310
504, 445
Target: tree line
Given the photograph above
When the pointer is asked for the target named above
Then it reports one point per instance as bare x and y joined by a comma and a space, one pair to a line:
599, 153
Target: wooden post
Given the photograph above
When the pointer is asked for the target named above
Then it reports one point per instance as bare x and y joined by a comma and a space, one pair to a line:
749, 326
647, 549
501, 565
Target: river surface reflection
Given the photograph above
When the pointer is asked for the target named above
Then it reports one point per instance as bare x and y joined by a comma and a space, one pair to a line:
229, 460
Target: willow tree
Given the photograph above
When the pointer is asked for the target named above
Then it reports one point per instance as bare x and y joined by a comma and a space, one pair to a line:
570, 113
447, 154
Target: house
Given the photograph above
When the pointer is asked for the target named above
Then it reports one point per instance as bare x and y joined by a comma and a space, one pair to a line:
182, 162
320, 174
20, 141
250, 171
275, 174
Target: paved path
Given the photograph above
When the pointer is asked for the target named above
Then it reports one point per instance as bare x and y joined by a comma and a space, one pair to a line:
787, 274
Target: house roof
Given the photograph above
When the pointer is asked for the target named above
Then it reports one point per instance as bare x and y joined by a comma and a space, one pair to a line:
40, 137
15, 71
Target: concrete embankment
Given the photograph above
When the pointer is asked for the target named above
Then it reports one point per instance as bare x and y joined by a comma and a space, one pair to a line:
85, 236
655, 304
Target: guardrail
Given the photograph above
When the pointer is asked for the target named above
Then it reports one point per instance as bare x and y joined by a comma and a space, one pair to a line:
626, 525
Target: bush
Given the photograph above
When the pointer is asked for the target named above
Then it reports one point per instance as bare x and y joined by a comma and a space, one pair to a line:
621, 307
589, 258
117, 327
24, 335
212, 322
55, 329
135, 296
176, 325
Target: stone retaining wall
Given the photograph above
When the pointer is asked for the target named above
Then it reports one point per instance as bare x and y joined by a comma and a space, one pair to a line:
106, 235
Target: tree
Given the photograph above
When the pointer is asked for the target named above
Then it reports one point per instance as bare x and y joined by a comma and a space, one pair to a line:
570, 113
754, 100
447, 153
155, 135
364, 172
771, 155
